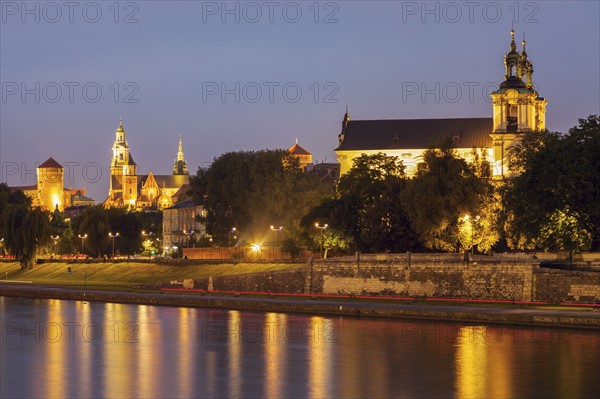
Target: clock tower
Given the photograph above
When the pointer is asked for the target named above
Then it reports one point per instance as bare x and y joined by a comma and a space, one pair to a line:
517, 107
123, 169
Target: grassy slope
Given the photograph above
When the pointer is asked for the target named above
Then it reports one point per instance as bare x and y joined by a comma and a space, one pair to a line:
130, 273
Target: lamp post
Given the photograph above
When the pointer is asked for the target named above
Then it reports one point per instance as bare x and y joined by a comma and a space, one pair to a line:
113, 236
318, 226
83, 237
233, 230
189, 234
2, 242
276, 230
55, 238
84, 280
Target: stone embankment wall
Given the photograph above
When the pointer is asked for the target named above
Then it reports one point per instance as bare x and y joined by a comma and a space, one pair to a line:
454, 278
290, 281
426, 279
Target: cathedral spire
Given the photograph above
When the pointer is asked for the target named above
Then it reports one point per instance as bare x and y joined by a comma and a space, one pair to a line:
120, 133
180, 151
180, 164
513, 45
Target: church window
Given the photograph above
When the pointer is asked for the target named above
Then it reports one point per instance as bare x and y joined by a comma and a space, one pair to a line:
511, 119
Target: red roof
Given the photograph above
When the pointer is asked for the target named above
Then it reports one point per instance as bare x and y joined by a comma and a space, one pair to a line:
51, 163
297, 150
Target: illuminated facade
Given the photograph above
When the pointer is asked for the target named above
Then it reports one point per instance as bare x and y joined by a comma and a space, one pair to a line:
127, 188
517, 109
180, 226
49, 192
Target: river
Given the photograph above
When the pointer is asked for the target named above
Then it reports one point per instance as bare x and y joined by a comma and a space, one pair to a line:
59, 349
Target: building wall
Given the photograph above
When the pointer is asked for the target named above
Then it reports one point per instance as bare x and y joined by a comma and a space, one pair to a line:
410, 157
175, 221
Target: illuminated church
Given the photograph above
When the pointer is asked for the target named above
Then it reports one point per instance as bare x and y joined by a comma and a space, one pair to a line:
129, 189
517, 109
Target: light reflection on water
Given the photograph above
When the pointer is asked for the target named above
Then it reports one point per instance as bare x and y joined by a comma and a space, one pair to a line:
53, 348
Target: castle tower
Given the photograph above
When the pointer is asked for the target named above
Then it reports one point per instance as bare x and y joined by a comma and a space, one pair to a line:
50, 183
304, 157
123, 169
180, 164
517, 107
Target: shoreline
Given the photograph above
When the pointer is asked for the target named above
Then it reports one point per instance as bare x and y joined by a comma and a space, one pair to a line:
323, 306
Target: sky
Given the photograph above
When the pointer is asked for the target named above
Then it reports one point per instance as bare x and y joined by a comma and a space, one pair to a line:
245, 75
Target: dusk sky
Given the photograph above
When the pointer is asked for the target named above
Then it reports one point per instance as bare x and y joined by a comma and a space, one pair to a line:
162, 65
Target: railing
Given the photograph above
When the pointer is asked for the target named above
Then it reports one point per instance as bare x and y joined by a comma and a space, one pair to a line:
408, 257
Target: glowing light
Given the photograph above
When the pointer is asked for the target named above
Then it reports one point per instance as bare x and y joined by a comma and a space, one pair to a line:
256, 247
56, 202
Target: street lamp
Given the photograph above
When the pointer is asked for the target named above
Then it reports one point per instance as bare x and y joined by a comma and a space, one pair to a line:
256, 248
321, 228
113, 236
277, 230
83, 237
233, 230
189, 234
55, 238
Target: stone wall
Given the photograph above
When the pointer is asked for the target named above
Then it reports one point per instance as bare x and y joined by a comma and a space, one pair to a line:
289, 281
493, 280
563, 285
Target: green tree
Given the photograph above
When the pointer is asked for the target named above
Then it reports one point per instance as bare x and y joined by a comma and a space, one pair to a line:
95, 223
369, 214
554, 201
26, 230
252, 190
445, 191
129, 227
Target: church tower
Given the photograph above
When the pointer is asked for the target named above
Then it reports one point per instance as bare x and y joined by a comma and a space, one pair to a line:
123, 169
517, 107
180, 164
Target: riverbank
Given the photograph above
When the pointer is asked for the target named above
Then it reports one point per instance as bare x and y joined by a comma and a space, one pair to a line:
455, 312
126, 275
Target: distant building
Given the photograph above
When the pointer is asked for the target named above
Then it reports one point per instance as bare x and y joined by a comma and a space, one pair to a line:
180, 227
327, 172
516, 108
304, 157
49, 192
127, 188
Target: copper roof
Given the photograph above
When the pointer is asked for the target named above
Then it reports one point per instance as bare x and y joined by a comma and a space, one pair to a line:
416, 133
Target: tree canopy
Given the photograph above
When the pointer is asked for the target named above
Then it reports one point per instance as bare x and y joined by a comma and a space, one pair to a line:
554, 201
252, 190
